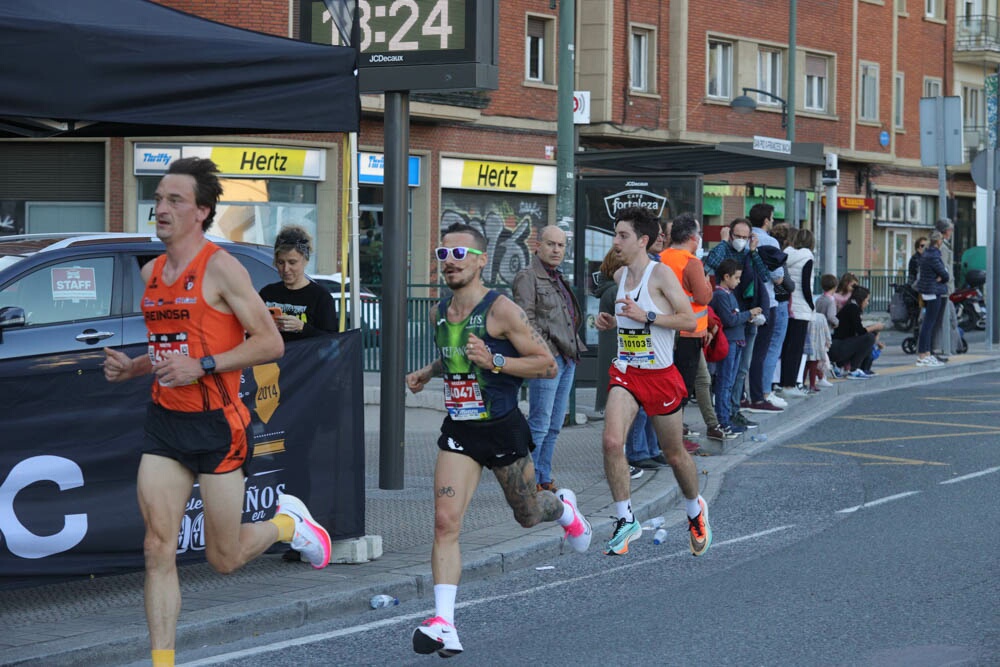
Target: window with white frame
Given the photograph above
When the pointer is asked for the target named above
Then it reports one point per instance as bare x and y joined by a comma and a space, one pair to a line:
642, 60
973, 107
816, 77
897, 110
934, 9
539, 50
868, 97
932, 87
720, 69
769, 75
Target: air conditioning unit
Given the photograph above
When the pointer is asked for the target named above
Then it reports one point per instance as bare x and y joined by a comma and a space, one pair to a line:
914, 208
896, 211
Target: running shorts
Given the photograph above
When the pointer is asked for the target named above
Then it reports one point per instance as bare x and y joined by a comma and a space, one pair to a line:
493, 443
660, 391
212, 442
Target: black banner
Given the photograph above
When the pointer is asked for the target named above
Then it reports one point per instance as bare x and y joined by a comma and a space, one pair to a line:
70, 445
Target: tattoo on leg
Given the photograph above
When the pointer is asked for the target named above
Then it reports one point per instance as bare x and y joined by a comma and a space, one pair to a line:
446, 491
530, 507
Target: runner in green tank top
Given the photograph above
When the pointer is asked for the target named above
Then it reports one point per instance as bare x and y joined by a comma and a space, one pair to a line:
487, 346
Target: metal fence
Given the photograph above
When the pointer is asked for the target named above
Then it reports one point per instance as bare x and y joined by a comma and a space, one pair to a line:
879, 282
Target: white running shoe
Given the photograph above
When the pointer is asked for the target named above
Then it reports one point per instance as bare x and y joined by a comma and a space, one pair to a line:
310, 539
436, 635
776, 400
579, 532
823, 382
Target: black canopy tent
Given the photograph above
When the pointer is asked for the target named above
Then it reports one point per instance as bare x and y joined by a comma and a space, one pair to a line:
131, 67
718, 158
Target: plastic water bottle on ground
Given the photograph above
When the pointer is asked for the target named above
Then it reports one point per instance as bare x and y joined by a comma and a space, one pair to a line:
383, 600
660, 536
759, 437
654, 523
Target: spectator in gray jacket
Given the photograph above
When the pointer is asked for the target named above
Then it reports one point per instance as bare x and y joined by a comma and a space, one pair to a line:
554, 312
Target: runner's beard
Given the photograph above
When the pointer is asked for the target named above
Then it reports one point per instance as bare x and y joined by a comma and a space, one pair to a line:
458, 280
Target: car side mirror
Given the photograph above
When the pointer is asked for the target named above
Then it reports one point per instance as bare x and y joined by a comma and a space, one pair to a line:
11, 316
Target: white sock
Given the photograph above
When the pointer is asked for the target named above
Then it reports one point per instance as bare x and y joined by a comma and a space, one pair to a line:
693, 507
623, 508
567, 516
444, 601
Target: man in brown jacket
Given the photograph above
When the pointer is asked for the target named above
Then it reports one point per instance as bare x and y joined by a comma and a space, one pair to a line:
554, 312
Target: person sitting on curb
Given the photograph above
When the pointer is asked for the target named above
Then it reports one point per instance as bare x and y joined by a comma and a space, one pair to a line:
853, 342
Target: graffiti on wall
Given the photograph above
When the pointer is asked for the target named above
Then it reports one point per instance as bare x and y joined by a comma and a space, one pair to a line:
508, 223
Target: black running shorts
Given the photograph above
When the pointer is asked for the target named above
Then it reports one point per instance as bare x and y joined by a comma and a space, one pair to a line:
493, 443
213, 442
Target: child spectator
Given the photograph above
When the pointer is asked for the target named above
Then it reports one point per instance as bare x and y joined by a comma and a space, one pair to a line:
727, 278
825, 304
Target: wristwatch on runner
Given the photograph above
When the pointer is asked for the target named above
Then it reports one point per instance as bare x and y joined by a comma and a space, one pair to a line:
208, 364
650, 317
498, 362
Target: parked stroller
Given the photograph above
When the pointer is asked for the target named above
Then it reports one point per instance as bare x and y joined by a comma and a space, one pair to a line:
904, 307
909, 343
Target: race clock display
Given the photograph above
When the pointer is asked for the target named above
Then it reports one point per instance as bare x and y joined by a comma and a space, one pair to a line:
427, 44
399, 31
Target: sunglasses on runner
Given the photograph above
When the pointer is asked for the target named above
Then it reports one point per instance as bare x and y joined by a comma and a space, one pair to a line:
459, 253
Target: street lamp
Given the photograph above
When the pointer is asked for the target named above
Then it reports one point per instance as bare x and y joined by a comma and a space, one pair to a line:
745, 104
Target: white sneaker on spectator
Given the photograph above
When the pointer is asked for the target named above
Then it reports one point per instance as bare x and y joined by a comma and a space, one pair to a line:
776, 400
823, 382
792, 392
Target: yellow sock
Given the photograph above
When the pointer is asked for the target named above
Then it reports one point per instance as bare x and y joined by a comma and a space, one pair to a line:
163, 657
286, 527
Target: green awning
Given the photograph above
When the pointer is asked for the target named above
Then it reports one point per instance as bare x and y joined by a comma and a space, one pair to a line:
711, 205
778, 202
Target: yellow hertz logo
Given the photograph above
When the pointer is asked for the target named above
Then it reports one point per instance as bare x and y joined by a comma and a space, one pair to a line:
268, 390
497, 176
259, 161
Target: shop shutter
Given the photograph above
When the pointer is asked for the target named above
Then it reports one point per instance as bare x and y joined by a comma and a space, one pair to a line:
52, 171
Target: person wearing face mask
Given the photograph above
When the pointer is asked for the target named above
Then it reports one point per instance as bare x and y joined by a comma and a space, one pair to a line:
740, 243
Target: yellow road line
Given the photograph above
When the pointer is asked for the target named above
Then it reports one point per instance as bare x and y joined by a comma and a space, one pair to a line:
962, 400
903, 437
918, 421
885, 459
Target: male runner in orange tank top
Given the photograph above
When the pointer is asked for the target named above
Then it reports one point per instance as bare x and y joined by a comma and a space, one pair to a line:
198, 304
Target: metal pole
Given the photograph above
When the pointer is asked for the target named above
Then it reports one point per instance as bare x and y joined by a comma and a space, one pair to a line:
943, 213
991, 265
393, 337
791, 210
566, 140
830, 234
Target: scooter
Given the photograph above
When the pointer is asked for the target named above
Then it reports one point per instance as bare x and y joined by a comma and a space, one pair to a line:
969, 303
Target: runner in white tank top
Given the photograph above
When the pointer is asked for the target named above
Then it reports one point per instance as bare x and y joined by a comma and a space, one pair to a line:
648, 313
639, 344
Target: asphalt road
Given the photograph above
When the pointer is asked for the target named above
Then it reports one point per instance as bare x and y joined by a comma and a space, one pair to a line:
870, 538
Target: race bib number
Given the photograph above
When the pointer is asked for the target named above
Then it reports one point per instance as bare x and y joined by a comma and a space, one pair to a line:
635, 347
463, 397
163, 345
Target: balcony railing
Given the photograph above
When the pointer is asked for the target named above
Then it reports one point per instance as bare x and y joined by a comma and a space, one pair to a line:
978, 32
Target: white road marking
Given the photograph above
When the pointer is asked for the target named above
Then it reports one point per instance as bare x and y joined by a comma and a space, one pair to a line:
970, 475
406, 618
872, 503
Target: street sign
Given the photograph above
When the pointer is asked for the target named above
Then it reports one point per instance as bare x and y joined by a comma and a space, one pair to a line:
952, 130
979, 169
581, 107
772, 145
